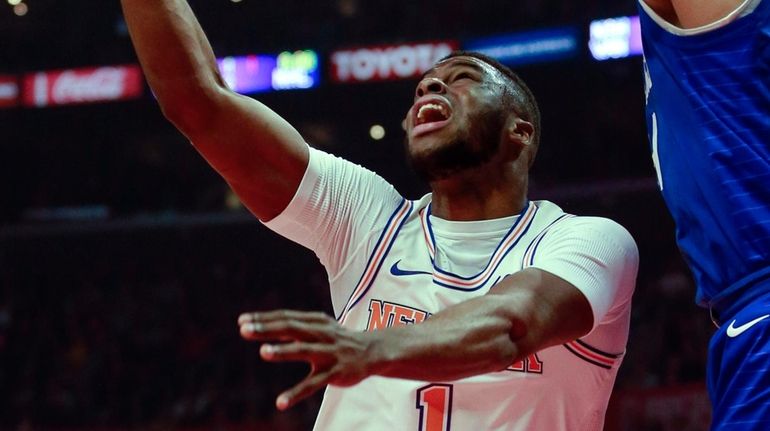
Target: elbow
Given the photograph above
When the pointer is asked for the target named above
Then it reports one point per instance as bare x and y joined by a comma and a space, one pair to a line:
516, 340
188, 114
191, 109
514, 347
509, 343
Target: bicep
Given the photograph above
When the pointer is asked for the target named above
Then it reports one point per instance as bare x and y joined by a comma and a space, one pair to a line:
545, 309
582, 274
258, 153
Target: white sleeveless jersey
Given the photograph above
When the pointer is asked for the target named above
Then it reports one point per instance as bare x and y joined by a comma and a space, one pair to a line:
389, 276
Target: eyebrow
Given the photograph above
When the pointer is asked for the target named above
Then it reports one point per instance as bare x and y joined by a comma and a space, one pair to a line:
455, 62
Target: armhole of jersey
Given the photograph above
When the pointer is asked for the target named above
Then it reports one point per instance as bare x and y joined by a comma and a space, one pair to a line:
743, 9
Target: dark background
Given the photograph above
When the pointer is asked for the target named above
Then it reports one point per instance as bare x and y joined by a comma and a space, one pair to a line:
126, 316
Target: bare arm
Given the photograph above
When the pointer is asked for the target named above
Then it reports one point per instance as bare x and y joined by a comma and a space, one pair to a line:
260, 155
693, 13
524, 313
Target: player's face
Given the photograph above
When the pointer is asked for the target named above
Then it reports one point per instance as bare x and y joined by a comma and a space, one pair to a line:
457, 119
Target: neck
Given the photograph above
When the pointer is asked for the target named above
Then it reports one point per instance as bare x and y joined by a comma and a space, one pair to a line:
480, 194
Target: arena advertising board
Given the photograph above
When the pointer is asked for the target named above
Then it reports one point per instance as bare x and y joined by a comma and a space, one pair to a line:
529, 47
387, 62
615, 38
77, 86
9, 91
288, 70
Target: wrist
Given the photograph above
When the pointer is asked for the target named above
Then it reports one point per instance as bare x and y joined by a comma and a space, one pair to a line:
380, 352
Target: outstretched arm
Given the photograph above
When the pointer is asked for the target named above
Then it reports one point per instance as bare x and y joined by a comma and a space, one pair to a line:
584, 269
693, 13
523, 314
260, 155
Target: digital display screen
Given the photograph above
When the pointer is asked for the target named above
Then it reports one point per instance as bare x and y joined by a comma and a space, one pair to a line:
529, 47
615, 38
260, 73
247, 74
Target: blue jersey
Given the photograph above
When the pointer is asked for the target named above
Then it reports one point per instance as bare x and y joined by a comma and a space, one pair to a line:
708, 114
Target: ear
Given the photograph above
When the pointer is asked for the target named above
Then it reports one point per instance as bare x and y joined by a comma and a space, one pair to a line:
521, 131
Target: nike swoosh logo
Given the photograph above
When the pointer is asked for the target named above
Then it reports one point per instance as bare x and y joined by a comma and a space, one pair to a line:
398, 272
733, 332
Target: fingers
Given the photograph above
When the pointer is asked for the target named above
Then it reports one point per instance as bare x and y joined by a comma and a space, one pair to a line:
285, 330
310, 333
268, 316
302, 390
286, 325
298, 351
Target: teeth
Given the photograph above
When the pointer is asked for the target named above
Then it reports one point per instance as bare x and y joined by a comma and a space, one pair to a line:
431, 106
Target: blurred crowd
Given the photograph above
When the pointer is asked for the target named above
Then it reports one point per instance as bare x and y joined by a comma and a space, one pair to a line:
139, 330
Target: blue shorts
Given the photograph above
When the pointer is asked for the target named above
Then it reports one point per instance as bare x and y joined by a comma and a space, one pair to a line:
738, 374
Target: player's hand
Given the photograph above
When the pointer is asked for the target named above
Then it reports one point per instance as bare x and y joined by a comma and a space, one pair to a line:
336, 355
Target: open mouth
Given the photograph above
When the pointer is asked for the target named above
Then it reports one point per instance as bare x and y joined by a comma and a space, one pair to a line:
431, 116
431, 113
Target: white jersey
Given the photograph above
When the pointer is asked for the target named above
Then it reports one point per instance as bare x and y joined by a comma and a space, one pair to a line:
391, 262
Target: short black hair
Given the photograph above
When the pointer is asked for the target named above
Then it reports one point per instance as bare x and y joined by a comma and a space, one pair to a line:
522, 100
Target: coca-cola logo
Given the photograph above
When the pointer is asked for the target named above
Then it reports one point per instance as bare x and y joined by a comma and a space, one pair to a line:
392, 62
82, 86
108, 83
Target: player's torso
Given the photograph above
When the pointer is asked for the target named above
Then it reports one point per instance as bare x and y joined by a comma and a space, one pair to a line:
708, 113
401, 286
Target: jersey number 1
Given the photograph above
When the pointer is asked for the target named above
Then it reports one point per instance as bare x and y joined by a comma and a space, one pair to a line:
435, 405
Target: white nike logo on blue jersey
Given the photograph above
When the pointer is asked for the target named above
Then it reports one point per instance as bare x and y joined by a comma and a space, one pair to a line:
733, 331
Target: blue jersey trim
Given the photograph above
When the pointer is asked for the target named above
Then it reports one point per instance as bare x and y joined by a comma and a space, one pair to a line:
513, 227
382, 260
492, 272
371, 257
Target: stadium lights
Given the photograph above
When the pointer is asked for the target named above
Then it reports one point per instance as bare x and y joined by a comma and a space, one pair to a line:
20, 9
377, 132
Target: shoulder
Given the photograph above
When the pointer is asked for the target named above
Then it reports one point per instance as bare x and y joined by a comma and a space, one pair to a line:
588, 228
600, 232
588, 235
597, 226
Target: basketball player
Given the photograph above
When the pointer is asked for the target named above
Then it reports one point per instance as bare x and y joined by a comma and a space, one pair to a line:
471, 308
708, 111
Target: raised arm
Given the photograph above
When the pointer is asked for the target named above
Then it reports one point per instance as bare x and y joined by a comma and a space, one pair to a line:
258, 153
693, 13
